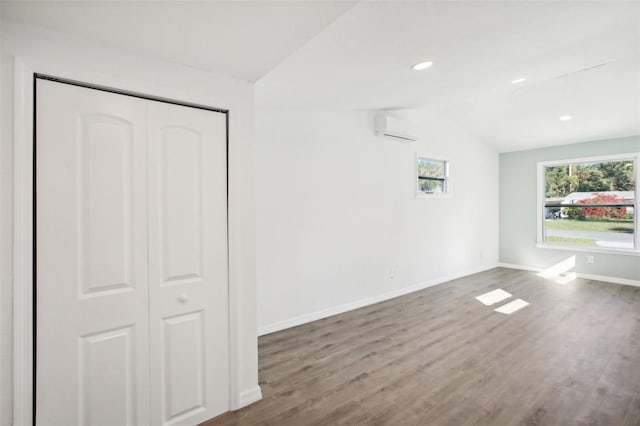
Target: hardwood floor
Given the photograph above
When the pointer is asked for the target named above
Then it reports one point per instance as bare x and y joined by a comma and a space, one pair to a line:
439, 357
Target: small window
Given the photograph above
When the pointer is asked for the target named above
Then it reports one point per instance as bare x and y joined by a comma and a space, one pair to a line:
589, 203
432, 176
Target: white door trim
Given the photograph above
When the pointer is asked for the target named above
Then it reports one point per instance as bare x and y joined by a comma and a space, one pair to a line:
22, 249
23, 220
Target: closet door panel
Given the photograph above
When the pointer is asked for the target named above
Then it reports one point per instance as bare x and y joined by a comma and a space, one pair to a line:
181, 205
92, 318
188, 263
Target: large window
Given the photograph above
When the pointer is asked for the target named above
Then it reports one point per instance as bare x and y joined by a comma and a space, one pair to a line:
589, 203
432, 176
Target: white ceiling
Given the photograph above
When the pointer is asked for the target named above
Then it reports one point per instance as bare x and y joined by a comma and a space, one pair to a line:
579, 58
241, 39
363, 60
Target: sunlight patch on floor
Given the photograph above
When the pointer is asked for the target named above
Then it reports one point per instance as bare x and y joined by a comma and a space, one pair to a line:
566, 278
562, 272
512, 307
493, 297
559, 268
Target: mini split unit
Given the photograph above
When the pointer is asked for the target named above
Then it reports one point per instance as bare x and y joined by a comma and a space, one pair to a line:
394, 128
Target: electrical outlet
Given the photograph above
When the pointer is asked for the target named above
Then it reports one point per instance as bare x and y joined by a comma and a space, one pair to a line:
591, 259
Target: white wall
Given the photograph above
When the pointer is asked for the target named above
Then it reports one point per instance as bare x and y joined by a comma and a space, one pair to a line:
158, 78
336, 211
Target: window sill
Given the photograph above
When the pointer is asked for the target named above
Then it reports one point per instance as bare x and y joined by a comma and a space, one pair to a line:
433, 195
624, 252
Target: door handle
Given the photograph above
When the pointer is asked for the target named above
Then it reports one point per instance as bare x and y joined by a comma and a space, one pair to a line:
183, 298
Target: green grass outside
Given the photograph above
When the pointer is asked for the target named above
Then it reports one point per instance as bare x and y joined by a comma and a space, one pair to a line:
625, 226
575, 241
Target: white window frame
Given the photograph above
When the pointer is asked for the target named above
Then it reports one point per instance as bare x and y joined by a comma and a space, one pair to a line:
447, 177
540, 216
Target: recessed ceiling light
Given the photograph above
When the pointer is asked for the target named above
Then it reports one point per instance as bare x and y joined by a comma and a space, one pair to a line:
518, 80
421, 66
566, 118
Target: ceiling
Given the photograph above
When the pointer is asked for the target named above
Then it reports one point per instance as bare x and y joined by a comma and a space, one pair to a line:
241, 39
579, 58
363, 59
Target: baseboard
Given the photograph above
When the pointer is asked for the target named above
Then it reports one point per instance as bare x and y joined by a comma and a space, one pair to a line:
249, 396
614, 280
604, 278
522, 267
314, 316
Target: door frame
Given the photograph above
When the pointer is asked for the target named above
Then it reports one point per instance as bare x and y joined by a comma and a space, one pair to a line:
25, 75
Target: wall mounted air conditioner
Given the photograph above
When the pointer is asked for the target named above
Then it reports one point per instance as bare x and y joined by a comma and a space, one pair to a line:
394, 128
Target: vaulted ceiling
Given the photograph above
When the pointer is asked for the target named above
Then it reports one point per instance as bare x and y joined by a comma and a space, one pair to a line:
579, 59
241, 39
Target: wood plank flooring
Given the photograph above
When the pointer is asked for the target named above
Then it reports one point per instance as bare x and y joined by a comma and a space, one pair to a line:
440, 357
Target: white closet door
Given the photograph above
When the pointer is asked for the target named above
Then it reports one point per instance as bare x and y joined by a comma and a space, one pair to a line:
92, 284
132, 307
187, 264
